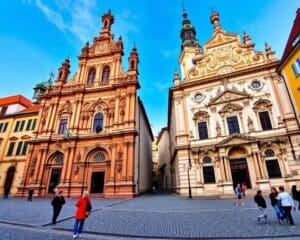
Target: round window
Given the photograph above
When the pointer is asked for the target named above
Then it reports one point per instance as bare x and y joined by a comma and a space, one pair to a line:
198, 97
256, 84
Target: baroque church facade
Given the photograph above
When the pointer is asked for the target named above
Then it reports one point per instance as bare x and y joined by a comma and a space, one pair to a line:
230, 120
93, 127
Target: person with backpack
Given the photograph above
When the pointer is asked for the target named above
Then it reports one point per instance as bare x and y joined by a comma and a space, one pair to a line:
238, 192
57, 203
296, 195
84, 208
261, 203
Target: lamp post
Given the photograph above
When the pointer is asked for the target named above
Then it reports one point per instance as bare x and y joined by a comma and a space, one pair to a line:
188, 172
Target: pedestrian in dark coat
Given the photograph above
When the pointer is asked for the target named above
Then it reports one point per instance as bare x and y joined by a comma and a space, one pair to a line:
261, 203
57, 203
30, 194
6, 192
296, 195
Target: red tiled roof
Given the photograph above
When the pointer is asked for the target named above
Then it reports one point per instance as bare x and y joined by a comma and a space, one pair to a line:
32, 108
15, 99
293, 34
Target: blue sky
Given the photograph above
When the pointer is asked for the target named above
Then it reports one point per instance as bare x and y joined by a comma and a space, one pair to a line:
37, 35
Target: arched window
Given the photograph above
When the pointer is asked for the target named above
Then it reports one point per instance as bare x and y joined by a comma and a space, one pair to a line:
99, 157
59, 158
269, 153
132, 65
105, 73
272, 164
98, 122
91, 76
207, 159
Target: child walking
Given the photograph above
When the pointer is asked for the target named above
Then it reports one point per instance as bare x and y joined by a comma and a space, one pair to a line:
261, 203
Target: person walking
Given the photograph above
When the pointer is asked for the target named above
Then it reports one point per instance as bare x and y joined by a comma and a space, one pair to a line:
57, 202
84, 208
244, 188
287, 204
30, 194
296, 195
275, 204
261, 203
238, 192
6, 193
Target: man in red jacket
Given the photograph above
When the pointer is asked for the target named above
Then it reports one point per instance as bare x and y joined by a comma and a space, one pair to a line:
83, 210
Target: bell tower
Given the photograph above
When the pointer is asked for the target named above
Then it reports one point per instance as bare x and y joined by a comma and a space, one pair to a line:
107, 22
189, 44
63, 73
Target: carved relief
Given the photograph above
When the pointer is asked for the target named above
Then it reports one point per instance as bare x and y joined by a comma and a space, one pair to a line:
262, 104
230, 108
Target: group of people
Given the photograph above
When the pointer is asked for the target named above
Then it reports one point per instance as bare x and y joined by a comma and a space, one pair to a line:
281, 202
84, 208
240, 192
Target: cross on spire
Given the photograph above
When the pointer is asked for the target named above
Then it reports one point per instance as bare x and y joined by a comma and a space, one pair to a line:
183, 6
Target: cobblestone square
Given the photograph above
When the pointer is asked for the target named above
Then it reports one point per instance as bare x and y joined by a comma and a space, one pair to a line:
145, 217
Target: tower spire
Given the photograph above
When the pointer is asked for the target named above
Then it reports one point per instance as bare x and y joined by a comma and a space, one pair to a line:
188, 32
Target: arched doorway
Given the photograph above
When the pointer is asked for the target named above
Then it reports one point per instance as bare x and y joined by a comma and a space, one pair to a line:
239, 167
9, 178
96, 170
56, 163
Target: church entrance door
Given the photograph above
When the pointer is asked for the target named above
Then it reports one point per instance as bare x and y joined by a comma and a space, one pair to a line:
97, 182
54, 179
239, 172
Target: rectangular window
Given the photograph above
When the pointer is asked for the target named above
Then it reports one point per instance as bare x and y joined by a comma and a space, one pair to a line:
33, 124
209, 175
19, 148
25, 146
202, 129
11, 149
62, 126
17, 126
22, 125
1, 126
5, 127
265, 120
296, 67
273, 168
3, 110
28, 125
233, 125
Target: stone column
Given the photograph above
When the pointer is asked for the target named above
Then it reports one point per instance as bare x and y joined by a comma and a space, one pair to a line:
40, 166
70, 165
125, 159
65, 165
227, 167
255, 163
261, 165
113, 161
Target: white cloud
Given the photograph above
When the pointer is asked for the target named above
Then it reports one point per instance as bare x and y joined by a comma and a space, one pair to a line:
77, 17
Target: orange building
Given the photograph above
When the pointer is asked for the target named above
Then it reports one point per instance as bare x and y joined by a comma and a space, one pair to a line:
93, 133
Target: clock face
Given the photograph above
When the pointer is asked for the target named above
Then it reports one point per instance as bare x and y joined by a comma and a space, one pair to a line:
102, 47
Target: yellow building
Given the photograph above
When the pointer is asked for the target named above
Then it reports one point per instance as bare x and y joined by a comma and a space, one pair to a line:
290, 64
18, 119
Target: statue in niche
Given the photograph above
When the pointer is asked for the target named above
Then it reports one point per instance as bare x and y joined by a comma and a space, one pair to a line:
218, 128
250, 124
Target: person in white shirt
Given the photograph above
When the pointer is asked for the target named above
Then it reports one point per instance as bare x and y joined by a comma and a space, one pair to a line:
287, 204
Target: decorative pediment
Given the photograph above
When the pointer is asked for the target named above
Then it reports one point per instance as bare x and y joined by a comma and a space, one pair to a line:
225, 53
13, 138
236, 139
228, 95
262, 104
25, 137
99, 105
200, 115
66, 108
221, 37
